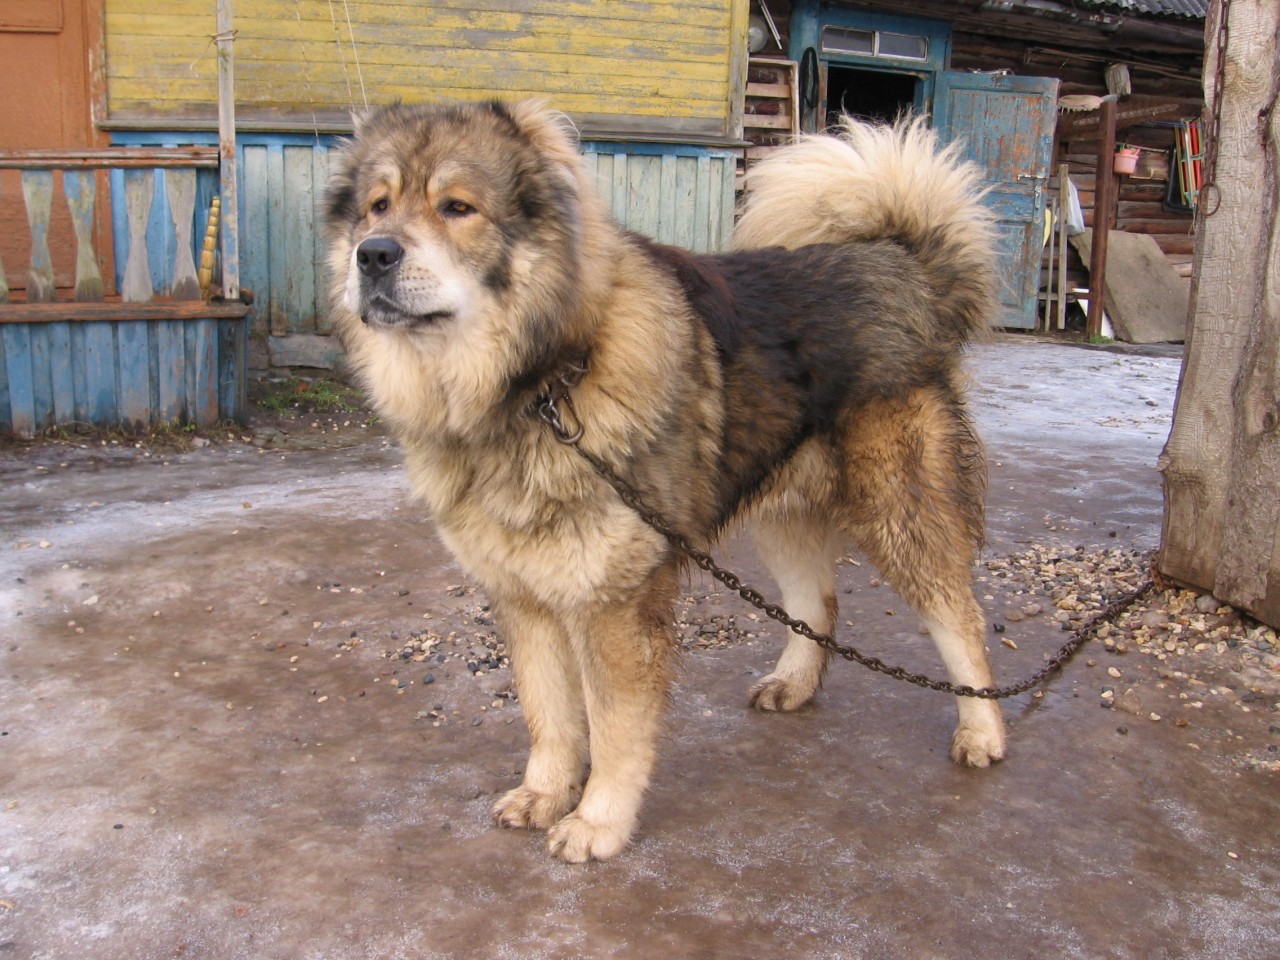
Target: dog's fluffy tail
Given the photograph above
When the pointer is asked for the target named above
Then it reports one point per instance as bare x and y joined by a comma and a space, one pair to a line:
872, 182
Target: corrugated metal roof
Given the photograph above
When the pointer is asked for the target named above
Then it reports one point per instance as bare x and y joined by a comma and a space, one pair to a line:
1190, 9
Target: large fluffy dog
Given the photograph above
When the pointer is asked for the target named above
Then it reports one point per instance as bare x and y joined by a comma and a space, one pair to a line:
806, 383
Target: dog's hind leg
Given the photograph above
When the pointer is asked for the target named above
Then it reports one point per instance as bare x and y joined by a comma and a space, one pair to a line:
801, 557
918, 478
550, 690
624, 652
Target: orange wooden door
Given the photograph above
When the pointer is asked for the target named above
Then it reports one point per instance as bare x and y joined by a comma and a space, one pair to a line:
46, 87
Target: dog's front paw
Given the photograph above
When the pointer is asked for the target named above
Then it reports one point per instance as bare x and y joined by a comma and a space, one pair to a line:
525, 809
780, 694
577, 840
978, 746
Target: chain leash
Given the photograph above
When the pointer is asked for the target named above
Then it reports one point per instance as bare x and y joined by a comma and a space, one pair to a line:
550, 414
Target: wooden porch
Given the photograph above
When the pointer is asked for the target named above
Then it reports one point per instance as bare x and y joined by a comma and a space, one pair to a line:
154, 341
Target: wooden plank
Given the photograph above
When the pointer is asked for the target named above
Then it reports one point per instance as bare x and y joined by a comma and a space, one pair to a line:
277, 242
618, 191
133, 363
232, 366
254, 229
300, 231
670, 199
100, 373
204, 401
61, 372
644, 183
171, 371
115, 310
686, 190
728, 200
22, 401
778, 90
702, 206
37, 191
761, 121
5, 411
319, 254
118, 158
80, 188
181, 185
41, 380
139, 187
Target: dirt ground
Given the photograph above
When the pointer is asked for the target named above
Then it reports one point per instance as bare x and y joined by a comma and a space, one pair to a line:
249, 708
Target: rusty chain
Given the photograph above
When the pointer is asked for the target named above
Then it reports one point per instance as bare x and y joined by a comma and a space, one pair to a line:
550, 414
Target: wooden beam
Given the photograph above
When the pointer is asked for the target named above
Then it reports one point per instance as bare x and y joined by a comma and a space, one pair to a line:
123, 158
115, 310
229, 184
1103, 211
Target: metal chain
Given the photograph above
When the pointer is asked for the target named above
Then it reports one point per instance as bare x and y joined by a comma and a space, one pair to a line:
1211, 145
1080, 636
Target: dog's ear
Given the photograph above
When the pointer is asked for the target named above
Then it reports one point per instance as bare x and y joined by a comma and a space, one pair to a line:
550, 130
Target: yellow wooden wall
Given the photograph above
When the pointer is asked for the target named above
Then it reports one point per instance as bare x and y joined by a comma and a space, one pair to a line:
661, 67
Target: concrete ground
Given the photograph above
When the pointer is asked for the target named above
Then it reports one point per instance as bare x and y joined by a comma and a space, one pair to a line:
217, 738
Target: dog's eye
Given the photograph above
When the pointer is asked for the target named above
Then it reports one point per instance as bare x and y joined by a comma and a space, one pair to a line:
457, 208
381, 205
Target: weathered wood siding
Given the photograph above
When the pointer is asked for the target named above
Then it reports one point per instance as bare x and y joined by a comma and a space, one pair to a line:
627, 66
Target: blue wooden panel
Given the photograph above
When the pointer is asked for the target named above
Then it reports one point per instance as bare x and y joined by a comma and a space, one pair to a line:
232, 366
204, 401
171, 372
702, 206
61, 377
683, 201
134, 369
277, 242
41, 384
255, 272
300, 236
17, 358
320, 175
100, 373
6, 413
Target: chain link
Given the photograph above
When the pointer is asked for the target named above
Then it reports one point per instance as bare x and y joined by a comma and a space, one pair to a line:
1079, 637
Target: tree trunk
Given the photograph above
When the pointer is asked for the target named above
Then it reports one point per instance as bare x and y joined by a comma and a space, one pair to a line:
1221, 465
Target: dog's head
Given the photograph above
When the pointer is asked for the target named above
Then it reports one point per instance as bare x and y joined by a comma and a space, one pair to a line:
443, 216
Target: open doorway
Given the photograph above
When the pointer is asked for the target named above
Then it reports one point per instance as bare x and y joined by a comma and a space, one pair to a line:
869, 94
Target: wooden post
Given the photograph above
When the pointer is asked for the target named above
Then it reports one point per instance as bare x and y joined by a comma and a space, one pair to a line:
1221, 465
1103, 204
1064, 200
227, 148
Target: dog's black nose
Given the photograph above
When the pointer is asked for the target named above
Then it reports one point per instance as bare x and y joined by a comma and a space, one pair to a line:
377, 256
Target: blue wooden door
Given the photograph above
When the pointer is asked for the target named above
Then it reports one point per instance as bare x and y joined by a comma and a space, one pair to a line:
1005, 125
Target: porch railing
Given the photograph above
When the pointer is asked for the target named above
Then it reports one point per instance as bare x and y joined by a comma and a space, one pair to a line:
142, 345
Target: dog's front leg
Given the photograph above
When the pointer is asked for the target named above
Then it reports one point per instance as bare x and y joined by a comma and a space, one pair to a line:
625, 654
550, 688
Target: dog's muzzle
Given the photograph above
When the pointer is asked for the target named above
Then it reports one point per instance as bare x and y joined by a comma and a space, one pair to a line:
378, 256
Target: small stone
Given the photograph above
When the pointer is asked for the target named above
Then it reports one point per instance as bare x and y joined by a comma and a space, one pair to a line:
1113, 672
1207, 603
1155, 619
